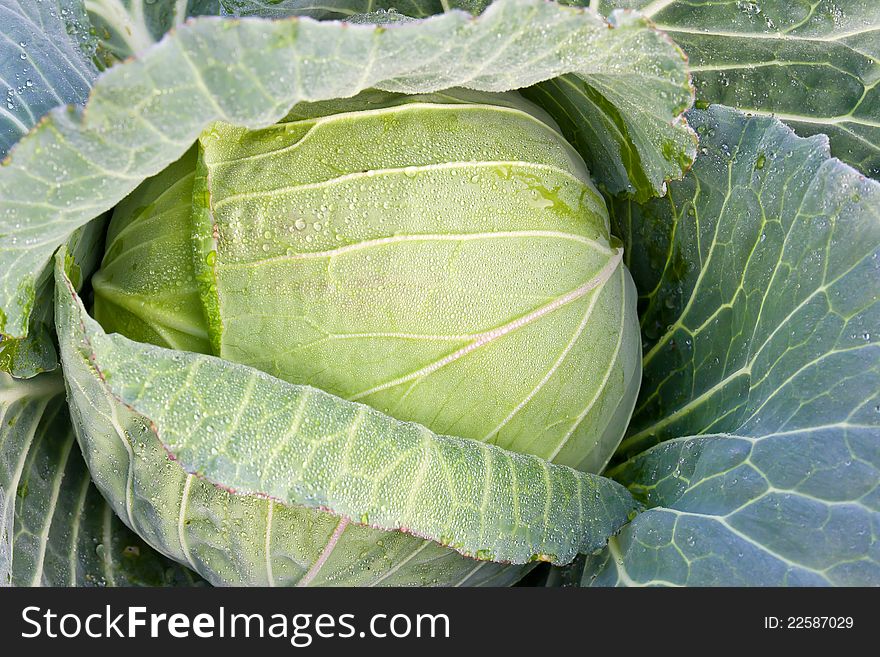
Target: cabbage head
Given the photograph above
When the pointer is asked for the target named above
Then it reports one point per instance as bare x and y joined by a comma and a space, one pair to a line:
458, 293
445, 259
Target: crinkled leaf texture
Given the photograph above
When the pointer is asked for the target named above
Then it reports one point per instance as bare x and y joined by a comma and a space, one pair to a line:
143, 114
815, 65
276, 483
55, 527
760, 277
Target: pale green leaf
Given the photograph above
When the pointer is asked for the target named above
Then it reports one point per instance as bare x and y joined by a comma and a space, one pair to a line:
143, 114
630, 146
336, 9
265, 439
35, 353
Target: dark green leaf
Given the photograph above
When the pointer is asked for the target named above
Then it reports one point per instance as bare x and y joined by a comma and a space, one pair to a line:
45, 61
55, 528
815, 65
760, 277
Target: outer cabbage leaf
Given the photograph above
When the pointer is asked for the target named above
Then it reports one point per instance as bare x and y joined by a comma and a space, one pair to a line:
128, 27
815, 65
143, 114
760, 277
631, 146
46, 53
26, 357
298, 465
55, 528
339, 9
45, 61
790, 508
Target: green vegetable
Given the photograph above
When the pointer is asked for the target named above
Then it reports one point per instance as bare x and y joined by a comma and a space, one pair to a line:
438, 293
499, 310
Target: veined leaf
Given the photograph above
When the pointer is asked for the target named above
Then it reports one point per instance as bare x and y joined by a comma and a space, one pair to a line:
336, 9
55, 528
143, 114
630, 146
789, 508
327, 270
265, 439
760, 277
759, 283
45, 61
35, 353
815, 65
128, 27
